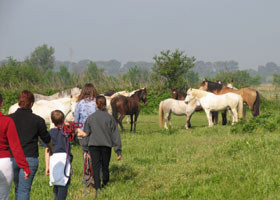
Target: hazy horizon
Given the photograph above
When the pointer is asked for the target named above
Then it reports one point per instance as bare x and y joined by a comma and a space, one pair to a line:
218, 30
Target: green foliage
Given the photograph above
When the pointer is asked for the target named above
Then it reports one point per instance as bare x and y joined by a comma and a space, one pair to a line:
240, 78
172, 66
43, 58
276, 79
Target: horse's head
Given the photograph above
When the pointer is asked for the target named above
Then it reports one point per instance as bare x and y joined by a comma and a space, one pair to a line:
175, 93
143, 96
204, 85
189, 96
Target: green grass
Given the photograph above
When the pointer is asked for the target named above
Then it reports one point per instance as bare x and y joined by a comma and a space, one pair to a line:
199, 163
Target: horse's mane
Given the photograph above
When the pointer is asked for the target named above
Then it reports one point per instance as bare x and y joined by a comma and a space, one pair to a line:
212, 85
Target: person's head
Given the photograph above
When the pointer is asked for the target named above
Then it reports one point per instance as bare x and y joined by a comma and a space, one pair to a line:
1, 100
26, 99
88, 91
57, 117
101, 102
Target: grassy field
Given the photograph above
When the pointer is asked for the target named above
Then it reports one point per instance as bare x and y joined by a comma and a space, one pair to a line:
200, 163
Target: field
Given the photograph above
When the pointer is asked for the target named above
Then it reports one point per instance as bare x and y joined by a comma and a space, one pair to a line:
200, 163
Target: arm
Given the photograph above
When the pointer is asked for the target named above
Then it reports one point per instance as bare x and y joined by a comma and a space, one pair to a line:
16, 148
47, 161
116, 139
81, 133
44, 135
87, 131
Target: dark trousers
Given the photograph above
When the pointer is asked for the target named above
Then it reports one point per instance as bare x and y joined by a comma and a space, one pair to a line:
60, 192
100, 159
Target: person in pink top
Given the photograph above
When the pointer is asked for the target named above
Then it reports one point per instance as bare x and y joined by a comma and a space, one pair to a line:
9, 140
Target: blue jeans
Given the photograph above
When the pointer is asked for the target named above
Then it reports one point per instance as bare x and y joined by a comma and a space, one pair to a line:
23, 186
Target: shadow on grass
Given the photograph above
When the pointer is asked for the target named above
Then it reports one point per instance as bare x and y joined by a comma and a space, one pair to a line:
122, 173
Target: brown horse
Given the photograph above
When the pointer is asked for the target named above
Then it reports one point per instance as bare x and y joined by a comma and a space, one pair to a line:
128, 106
250, 96
176, 94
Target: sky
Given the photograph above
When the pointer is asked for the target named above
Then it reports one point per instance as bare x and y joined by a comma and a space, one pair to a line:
247, 31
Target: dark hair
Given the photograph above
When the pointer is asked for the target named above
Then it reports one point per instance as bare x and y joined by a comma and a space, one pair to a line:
101, 102
1, 98
88, 91
57, 117
26, 99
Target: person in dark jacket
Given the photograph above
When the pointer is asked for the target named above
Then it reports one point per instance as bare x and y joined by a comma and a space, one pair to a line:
29, 127
102, 130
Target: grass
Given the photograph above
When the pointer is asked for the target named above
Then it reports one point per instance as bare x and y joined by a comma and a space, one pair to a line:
199, 163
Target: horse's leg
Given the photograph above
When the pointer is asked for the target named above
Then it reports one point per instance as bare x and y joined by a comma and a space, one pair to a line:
131, 122
209, 117
135, 121
169, 119
244, 110
234, 116
188, 121
120, 121
165, 120
215, 117
224, 116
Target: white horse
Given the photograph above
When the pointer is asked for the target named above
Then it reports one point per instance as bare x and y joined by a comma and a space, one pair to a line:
65, 93
211, 102
43, 108
177, 107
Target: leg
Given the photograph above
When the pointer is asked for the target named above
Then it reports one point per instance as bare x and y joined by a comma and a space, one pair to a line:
188, 121
165, 120
55, 191
95, 153
215, 117
244, 110
209, 117
120, 121
224, 117
62, 191
135, 121
106, 156
234, 116
169, 119
24, 186
131, 122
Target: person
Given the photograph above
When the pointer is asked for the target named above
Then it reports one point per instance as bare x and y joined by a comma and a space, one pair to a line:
102, 130
61, 154
9, 140
86, 106
29, 127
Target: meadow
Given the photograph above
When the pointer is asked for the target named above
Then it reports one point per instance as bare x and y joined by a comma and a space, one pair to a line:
199, 163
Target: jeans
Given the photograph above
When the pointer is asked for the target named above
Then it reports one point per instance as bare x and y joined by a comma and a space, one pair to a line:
60, 192
100, 159
23, 186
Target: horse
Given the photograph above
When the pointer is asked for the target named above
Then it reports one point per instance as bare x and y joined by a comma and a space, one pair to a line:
211, 102
43, 108
65, 93
250, 96
176, 94
128, 106
177, 107
109, 93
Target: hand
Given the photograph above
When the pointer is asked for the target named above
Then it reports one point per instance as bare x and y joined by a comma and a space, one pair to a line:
119, 157
86, 154
26, 175
47, 171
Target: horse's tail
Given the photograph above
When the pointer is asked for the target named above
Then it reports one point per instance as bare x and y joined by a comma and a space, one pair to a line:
256, 106
160, 114
114, 110
240, 107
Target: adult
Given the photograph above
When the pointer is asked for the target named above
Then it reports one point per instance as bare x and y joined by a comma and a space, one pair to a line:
86, 106
103, 133
29, 127
9, 140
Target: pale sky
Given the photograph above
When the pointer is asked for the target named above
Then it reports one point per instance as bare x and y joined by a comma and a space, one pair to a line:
247, 31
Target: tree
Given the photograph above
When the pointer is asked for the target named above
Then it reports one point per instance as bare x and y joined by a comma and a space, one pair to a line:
172, 66
42, 57
93, 73
276, 79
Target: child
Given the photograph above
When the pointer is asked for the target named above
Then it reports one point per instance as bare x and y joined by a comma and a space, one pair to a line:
58, 166
103, 134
